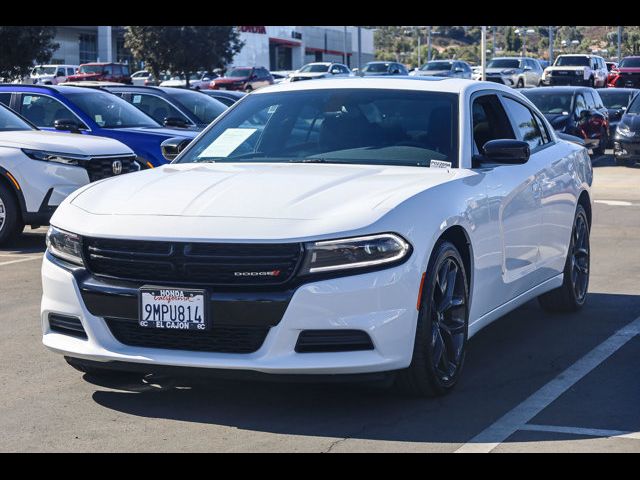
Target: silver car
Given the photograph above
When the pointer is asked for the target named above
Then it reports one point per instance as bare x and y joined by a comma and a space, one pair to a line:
517, 72
443, 68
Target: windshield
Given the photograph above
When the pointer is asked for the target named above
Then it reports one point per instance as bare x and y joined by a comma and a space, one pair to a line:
10, 122
551, 103
634, 108
50, 70
315, 68
203, 107
572, 62
630, 62
436, 66
92, 68
376, 68
239, 72
614, 100
504, 63
353, 126
110, 111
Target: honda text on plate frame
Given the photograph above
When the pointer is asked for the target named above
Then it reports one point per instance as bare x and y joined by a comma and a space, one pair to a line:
343, 226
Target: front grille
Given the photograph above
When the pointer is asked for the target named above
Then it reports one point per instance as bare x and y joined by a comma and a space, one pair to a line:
220, 339
105, 167
495, 79
67, 325
314, 341
193, 263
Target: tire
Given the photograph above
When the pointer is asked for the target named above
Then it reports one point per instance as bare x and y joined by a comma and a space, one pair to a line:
572, 294
11, 224
431, 373
592, 82
520, 83
248, 89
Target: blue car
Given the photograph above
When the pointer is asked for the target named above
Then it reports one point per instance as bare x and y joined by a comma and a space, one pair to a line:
91, 111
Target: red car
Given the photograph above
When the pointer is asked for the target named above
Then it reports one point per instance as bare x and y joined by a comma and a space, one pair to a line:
107, 72
244, 79
626, 74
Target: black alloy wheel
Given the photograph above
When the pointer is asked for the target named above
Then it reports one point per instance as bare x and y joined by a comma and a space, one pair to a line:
572, 294
442, 329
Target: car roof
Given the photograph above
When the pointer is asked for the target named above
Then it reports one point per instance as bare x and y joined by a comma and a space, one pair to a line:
396, 82
50, 88
563, 88
577, 55
607, 91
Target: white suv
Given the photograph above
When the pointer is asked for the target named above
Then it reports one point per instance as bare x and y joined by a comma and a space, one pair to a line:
582, 70
51, 74
39, 169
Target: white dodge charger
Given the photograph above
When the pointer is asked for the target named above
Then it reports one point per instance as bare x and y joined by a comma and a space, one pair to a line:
325, 229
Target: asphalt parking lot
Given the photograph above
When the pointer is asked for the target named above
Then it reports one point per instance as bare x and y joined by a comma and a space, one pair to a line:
533, 381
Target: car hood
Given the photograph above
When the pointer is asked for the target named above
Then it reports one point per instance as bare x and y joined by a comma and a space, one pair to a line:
63, 143
250, 200
83, 76
230, 79
310, 74
160, 131
556, 119
566, 68
501, 70
631, 121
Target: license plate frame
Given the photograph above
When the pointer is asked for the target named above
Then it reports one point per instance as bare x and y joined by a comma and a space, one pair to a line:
173, 317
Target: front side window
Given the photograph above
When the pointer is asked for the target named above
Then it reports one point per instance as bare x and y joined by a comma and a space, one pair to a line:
525, 126
490, 122
110, 111
376, 68
581, 104
315, 68
203, 107
43, 111
359, 126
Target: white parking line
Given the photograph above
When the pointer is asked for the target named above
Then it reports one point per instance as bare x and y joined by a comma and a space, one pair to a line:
516, 419
615, 203
39, 257
591, 432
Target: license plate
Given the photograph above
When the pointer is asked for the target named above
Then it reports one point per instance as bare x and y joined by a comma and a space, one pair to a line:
222, 88
173, 308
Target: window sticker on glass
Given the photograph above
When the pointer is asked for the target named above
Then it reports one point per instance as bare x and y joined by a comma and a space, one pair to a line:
137, 98
439, 164
99, 121
26, 100
227, 142
272, 109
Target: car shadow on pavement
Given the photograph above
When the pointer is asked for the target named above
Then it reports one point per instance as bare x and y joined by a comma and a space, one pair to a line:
31, 241
506, 362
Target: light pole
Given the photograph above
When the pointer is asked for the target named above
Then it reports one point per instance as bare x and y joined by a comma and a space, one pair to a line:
429, 44
550, 45
483, 53
359, 50
619, 43
419, 53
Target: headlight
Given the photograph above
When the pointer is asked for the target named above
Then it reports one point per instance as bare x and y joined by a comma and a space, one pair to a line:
354, 253
579, 72
508, 72
64, 158
624, 130
65, 245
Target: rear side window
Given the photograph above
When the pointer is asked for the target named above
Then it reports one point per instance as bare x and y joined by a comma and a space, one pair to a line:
156, 107
525, 125
5, 98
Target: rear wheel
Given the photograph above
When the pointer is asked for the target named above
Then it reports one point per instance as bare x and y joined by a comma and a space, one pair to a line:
520, 83
441, 332
571, 295
10, 218
592, 82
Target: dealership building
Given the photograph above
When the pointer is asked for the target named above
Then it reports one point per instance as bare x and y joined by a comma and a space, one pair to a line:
274, 47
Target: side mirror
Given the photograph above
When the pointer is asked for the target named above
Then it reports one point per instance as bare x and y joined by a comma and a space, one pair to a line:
175, 122
335, 71
458, 70
506, 151
173, 146
206, 79
527, 68
68, 125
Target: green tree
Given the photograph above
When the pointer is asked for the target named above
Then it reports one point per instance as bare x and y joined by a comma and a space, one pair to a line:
21, 46
183, 49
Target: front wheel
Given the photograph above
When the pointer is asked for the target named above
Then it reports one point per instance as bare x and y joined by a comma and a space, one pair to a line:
571, 295
10, 218
520, 84
442, 328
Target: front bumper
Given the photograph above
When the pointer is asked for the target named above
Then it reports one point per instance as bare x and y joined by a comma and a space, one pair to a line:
381, 303
508, 80
625, 148
562, 80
